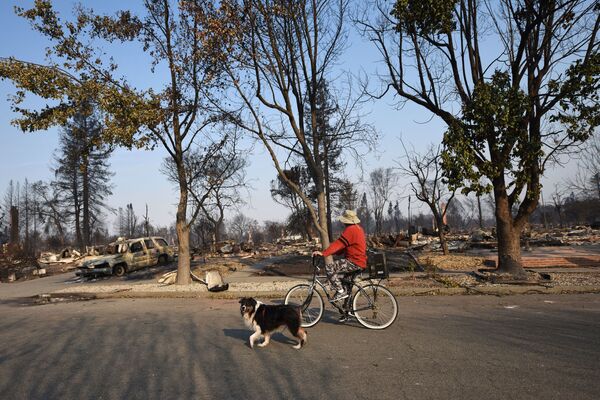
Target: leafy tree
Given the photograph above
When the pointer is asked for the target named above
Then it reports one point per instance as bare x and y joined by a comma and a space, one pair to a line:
175, 115
518, 107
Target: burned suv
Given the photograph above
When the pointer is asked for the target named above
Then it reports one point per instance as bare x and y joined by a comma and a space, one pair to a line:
124, 256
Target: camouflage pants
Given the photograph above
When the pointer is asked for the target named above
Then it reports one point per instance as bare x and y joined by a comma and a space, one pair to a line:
337, 268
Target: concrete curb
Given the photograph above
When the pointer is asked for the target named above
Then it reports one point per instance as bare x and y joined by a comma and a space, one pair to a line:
499, 290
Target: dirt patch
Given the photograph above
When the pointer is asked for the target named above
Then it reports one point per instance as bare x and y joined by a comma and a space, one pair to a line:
224, 266
290, 266
451, 262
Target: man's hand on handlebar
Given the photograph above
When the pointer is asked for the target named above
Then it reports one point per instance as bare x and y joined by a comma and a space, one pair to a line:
317, 253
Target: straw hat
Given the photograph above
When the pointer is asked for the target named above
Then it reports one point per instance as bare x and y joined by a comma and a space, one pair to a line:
349, 217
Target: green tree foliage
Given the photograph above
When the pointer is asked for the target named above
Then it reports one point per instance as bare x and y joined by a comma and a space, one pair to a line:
175, 114
516, 82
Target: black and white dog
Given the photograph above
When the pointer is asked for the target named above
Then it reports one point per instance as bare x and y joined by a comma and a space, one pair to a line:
267, 319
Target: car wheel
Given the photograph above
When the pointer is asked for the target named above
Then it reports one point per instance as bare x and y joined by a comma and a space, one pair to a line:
162, 260
119, 270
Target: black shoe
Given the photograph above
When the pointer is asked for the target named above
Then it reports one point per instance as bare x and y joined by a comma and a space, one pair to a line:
346, 316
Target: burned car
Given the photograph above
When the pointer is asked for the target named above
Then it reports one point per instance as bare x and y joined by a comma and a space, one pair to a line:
124, 256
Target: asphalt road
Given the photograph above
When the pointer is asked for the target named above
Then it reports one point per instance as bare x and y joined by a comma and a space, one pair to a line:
463, 347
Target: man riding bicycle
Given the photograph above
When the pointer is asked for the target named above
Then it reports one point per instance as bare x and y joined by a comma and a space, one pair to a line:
353, 245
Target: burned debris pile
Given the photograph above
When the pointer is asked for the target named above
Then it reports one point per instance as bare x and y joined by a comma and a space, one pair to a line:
15, 264
284, 246
486, 239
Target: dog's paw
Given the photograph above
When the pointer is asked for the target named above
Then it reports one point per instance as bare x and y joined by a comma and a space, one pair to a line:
298, 346
263, 344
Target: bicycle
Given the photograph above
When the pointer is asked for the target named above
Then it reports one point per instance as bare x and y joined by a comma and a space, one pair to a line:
373, 305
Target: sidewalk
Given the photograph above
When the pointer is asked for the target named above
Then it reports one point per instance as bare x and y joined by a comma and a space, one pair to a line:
246, 283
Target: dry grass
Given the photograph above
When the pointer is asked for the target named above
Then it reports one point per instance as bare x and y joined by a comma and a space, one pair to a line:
451, 262
225, 266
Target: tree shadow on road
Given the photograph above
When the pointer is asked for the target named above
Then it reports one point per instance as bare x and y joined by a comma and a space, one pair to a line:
244, 334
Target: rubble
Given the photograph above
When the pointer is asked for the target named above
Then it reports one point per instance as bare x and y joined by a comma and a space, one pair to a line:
15, 265
464, 247
480, 235
66, 256
226, 249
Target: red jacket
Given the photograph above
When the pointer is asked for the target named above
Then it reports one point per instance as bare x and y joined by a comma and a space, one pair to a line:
352, 244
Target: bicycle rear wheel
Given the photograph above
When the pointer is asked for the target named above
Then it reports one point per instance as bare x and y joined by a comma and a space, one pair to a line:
375, 307
310, 303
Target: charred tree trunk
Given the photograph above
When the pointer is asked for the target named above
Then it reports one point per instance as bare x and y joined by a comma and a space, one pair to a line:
182, 227
77, 211
439, 221
14, 226
86, 202
147, 223
59, 228
322, 228
183, 239
327, 191
183, 260
217, 234
480, 214
218, 223
27, 244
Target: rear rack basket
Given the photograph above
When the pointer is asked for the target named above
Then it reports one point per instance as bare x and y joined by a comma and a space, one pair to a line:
377, 265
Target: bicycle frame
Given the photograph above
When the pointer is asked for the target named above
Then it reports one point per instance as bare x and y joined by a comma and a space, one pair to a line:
322, 280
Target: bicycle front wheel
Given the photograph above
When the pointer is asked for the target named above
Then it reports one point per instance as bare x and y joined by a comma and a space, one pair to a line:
375, 307
310, 303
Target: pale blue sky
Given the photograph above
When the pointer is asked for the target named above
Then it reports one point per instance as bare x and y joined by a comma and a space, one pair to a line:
137, 178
